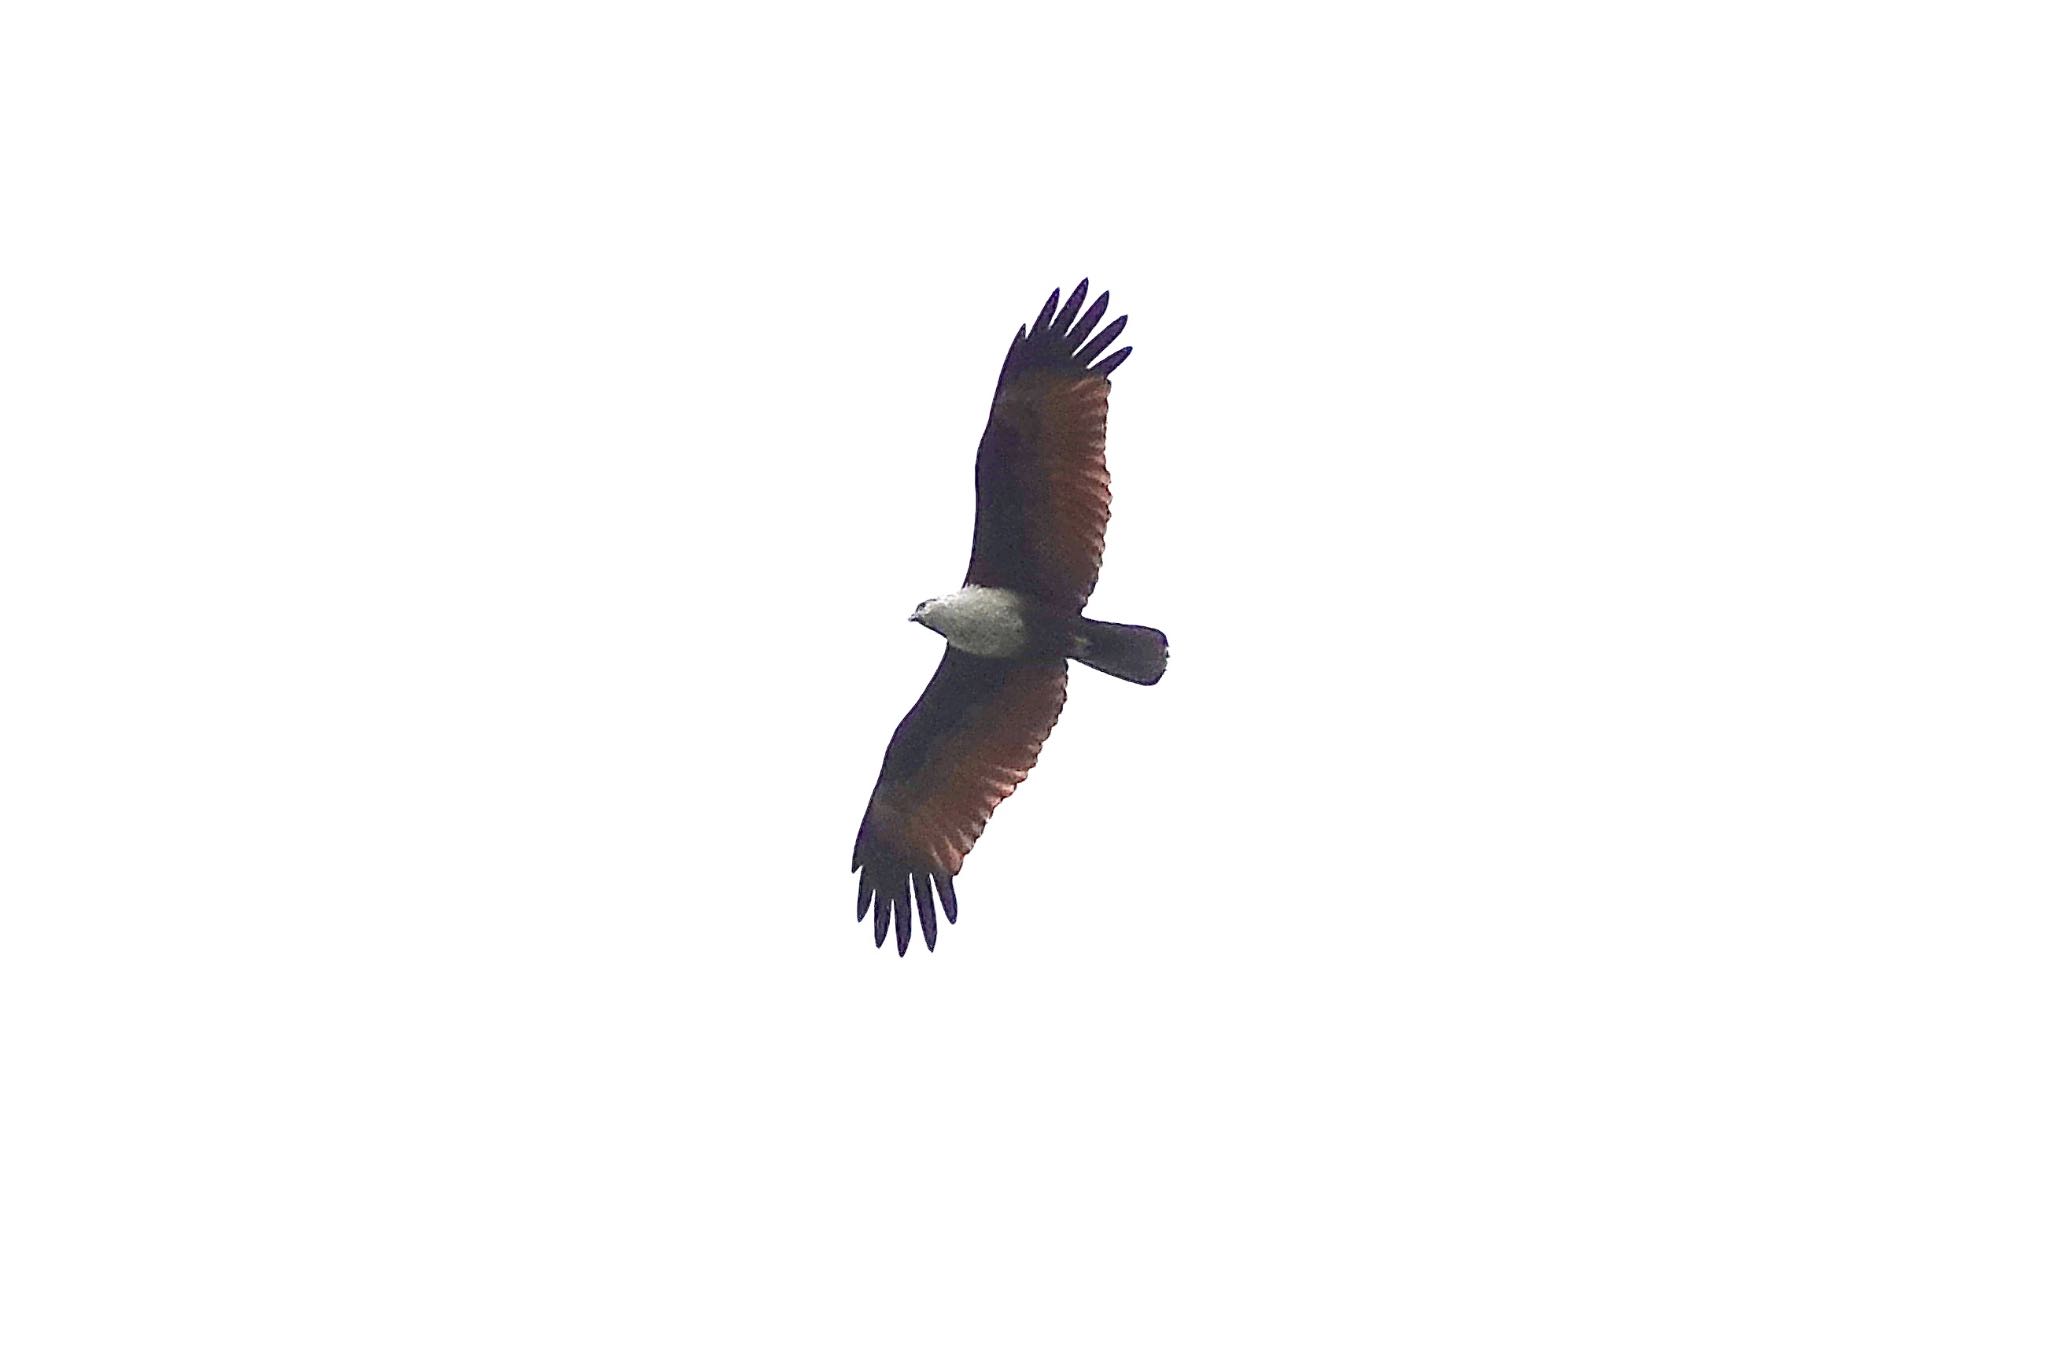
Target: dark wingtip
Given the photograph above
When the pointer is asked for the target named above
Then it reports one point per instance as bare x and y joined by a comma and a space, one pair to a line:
1092, 316
1105, 366
896, 893
1060, 339
1045, 313
1086, 355
1065, 320
927, 915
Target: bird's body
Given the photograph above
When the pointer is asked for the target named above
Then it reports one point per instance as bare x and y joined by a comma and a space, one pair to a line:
1041, 506
1002, 623
995, 623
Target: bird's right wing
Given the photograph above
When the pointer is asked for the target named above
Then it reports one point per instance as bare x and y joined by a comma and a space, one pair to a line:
968, 742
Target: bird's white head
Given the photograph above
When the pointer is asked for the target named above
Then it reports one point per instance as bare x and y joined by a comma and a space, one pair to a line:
923, 615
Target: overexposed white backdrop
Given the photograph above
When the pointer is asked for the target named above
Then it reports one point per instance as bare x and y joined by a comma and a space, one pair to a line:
1576, 894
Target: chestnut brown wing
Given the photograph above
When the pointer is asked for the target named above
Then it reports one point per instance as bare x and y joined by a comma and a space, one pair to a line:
966, 744
1041, 482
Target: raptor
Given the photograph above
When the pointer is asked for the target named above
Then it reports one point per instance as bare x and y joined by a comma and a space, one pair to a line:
1041, 507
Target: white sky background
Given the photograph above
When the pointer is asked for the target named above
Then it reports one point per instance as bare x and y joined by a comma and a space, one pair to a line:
1576, 894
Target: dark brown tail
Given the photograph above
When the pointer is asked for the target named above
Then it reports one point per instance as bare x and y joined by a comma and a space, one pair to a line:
1134, 653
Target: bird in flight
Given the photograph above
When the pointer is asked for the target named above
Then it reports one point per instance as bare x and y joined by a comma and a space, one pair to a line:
1041, 490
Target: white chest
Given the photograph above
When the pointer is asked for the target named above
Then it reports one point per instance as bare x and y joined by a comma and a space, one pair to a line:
987, 621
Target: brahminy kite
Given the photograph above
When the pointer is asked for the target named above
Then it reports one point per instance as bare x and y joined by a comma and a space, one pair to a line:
1041, 490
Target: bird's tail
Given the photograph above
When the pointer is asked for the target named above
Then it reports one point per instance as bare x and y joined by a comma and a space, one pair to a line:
1134, 653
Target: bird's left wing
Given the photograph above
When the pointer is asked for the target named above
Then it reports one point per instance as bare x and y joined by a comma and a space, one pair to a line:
968, 742
1041, 483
